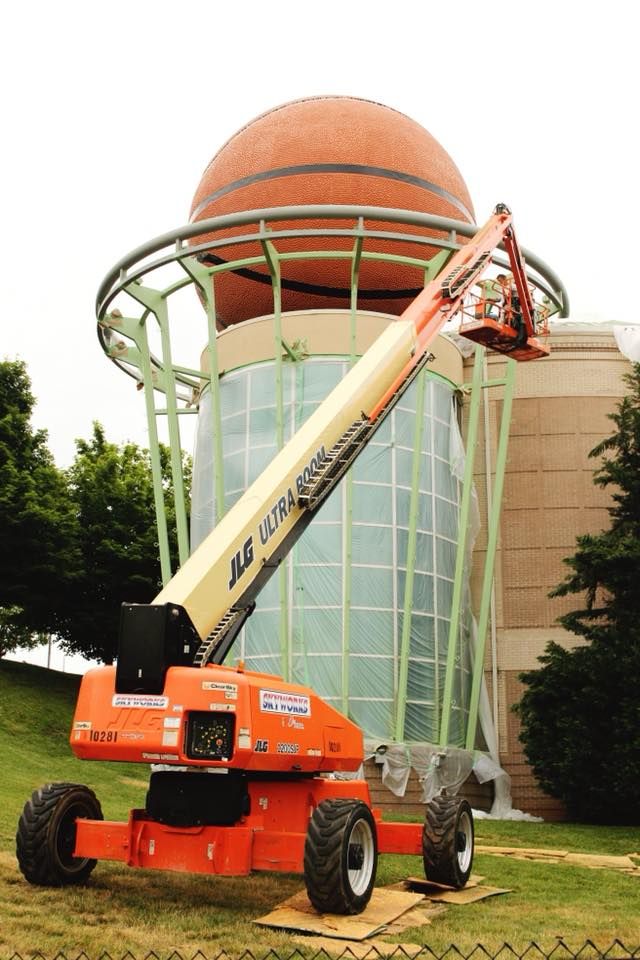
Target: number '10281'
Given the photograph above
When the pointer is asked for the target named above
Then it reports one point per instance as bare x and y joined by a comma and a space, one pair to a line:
104, 736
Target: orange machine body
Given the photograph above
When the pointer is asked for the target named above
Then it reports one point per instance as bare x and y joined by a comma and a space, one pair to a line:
280, 740
215, 716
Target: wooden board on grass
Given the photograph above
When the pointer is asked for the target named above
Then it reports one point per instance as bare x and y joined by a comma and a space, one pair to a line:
362, 950
598, 861
529, 853
296, 913
421, 915
439, 894
595, 861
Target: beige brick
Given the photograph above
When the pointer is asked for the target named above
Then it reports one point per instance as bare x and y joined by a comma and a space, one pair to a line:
562, 452
521, 490
525, 418
522, 526
525, 607
562, 488
523, 568
562, 525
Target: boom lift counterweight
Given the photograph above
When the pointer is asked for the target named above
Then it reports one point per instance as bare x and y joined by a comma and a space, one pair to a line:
242, 758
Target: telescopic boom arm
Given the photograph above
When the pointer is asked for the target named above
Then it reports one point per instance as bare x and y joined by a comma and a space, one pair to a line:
217, 586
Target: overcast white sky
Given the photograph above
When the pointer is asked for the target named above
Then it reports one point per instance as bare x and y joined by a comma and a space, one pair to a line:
111, 112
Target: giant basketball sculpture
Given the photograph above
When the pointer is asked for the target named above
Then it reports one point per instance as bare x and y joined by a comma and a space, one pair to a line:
327, 150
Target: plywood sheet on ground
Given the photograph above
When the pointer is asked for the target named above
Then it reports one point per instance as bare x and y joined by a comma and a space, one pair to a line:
360, 950
439, 894
594, 861
540, 853
466, 895
598, 861
385, 906
420, 916
419, 882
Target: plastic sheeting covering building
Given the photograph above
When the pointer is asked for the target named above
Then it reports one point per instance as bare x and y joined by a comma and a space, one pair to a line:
360, 609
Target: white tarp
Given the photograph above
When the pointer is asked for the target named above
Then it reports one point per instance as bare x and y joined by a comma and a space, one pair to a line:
628, 340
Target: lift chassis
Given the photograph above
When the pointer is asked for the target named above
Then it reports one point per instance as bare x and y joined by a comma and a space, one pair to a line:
244, 778
250, 772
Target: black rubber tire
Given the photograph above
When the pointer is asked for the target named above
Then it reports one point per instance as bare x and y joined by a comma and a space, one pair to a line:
447, 841
47, 831
340, 856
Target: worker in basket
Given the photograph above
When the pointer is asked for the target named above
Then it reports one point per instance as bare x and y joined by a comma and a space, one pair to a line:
500, 301
513, 309
492, 297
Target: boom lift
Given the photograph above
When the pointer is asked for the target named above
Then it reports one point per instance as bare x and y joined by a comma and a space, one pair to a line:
245, 765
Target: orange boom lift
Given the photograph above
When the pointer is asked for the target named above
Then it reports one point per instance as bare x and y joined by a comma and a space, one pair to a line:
244, 763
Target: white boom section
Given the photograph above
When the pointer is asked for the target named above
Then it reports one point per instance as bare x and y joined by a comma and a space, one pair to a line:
229, 566
219, 571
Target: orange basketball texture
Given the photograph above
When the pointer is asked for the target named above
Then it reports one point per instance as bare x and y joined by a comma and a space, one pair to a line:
327, 150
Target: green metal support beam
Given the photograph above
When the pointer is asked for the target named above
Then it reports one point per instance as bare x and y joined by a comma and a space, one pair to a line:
435, 265
272, 260
463, 524
154, 449
135, 329
206, 285
347, 501
156, 303
492, 543
405, 642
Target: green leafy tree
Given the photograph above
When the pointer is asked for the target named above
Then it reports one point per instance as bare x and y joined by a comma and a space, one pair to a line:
14, 634
38, 551
581, 711
112, 489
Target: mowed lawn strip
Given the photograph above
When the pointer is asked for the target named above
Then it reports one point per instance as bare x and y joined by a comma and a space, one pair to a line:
142, 911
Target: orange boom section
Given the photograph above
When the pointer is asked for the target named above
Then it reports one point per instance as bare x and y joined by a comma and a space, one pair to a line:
214, 716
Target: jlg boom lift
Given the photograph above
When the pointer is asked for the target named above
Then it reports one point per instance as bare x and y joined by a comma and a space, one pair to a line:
244, 761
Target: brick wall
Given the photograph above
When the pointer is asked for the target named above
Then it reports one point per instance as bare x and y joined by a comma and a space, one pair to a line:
559, 414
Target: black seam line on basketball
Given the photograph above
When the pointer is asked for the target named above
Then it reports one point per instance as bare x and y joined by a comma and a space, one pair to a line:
307, 168
321, 291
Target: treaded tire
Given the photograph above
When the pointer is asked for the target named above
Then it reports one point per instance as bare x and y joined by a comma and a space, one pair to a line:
447, 841
46, 834
340, 856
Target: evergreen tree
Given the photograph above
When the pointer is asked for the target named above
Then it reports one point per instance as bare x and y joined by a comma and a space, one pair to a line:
581, 710
38, 552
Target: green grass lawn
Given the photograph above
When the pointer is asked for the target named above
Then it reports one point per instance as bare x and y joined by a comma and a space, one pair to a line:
141, 911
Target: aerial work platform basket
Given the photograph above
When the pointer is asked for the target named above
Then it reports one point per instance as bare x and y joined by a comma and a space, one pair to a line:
503, 338
504, 316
